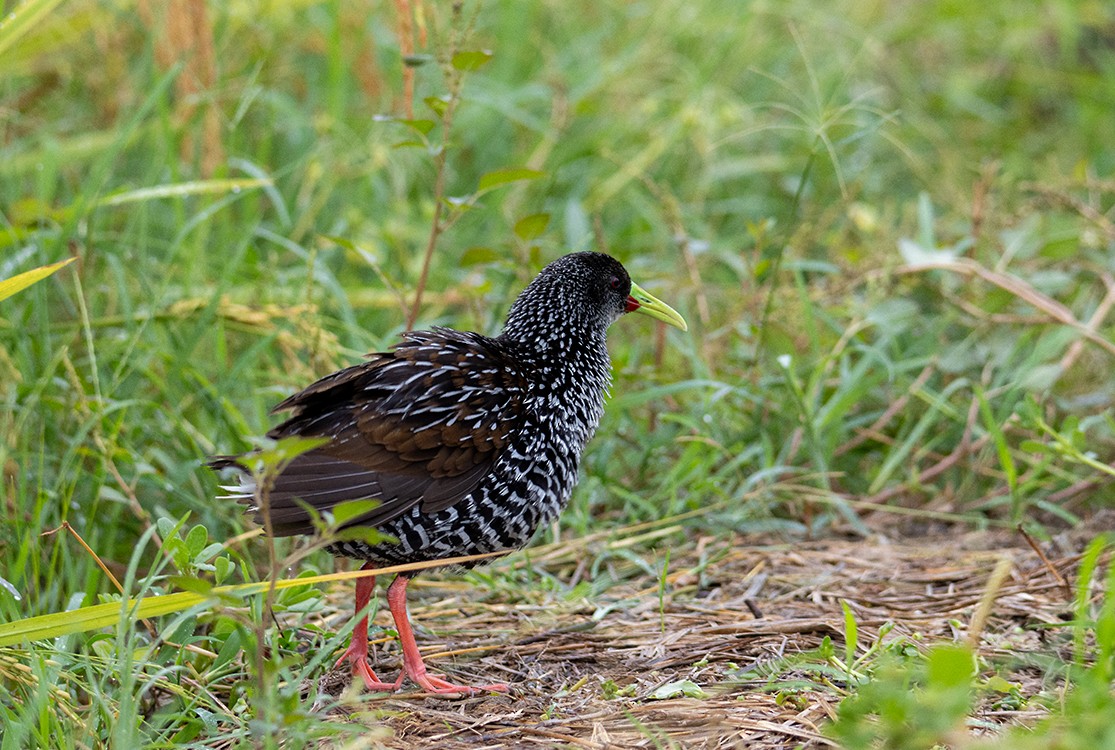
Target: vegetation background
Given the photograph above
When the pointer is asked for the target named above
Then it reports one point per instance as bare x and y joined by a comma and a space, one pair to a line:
890, 225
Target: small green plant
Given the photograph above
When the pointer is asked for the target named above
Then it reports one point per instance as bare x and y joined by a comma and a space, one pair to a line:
910, 704
828, 668
193, 555
1081, 718
610, 690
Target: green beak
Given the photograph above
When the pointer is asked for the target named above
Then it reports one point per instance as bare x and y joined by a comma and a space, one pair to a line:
645, 303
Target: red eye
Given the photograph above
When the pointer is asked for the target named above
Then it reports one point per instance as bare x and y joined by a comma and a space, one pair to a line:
615, 282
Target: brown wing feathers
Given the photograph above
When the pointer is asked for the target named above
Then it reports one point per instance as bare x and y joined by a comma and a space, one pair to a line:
421, 424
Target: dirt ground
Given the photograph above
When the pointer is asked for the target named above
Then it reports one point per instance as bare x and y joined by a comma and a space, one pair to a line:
604, 673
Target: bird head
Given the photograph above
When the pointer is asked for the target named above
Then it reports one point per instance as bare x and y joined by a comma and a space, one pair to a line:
585, 289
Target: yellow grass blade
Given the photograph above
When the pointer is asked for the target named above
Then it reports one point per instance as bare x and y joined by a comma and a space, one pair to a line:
23, 18
107, 615
21, 281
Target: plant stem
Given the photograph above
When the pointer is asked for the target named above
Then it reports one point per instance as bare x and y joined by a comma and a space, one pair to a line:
453, 78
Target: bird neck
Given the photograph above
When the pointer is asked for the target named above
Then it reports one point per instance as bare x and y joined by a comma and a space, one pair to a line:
572, 376
569, 361
566, 348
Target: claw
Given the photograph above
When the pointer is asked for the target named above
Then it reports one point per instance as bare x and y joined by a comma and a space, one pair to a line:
413, 665
372, 683
433, 683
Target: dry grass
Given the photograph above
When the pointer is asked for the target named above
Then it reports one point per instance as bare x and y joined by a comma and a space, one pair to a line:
585, 672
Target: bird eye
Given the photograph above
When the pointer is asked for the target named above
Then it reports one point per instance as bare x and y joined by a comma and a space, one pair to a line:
614, 282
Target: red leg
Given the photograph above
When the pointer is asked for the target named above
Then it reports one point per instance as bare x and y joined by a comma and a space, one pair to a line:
413, 665
357, 652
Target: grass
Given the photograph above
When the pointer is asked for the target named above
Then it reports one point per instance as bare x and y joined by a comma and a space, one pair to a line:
892, 241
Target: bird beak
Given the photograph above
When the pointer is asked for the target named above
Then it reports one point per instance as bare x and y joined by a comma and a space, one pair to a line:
640, 301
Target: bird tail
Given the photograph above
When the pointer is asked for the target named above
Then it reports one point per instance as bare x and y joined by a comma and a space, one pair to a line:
244, 490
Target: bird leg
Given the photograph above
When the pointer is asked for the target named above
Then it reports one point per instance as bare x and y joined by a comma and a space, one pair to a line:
357, 652
413, 665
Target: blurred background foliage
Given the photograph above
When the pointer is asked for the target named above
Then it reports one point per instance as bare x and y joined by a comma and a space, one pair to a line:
888, 223
249, 211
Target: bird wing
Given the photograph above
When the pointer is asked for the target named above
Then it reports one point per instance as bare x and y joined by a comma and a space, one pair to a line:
419, 425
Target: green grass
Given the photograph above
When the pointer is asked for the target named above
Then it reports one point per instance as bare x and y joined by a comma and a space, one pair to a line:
767, 168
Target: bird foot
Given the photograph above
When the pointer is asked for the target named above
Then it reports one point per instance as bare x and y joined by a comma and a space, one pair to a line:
372, 683
433, 683
360, 668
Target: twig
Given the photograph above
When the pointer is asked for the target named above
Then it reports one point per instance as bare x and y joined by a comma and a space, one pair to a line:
1072, 490
100, 563
95, 434
933, 471
1087, 211
980, 191
1102, 309
406, 50
1045, 561
1020, 289
892, 411
672, 214
150, 626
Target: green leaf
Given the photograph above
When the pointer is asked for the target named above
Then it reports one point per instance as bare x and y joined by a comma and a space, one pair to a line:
1033, 446
196, 539
191, 584
178, 552
471, 60
505, 176
281, 453
439, 104
209, 552
1006, 460
347, 511
31, 211
851, 635
419, 126
826, 650
7, 586
230, 649
529, 227
999, 685
1082, 603
366, 534
686, 688
343, 242
21, 281
91, 618
950, 666
474, 256
222, 569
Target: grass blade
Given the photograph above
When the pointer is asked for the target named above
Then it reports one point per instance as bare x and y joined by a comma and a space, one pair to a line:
22, 20
21, 281
106, 615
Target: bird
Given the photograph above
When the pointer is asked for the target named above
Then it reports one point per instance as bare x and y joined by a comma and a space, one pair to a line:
466, 443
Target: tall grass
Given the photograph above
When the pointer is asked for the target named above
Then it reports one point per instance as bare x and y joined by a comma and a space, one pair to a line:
810, 184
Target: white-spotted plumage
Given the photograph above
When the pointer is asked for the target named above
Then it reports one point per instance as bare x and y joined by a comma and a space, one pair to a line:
468, 443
